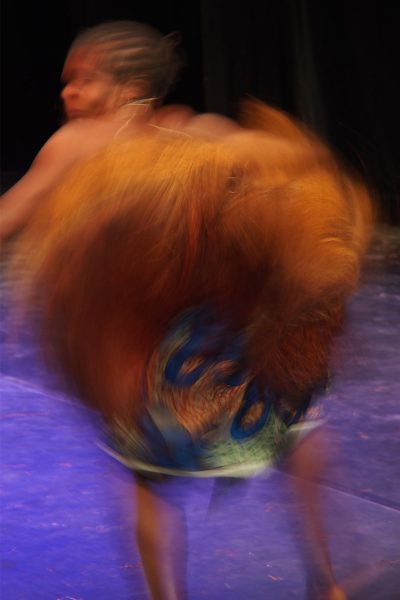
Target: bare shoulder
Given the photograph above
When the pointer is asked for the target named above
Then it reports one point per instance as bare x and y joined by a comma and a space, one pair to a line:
173, 116
70, 144
212, 125
74, 141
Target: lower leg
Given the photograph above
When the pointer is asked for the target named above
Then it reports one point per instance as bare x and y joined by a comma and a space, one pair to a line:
161, 538
307, 463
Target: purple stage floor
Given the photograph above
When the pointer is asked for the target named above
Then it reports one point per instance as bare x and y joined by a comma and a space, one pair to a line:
67, 509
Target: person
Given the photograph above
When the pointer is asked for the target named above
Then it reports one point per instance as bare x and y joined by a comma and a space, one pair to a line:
192, 273
115, 76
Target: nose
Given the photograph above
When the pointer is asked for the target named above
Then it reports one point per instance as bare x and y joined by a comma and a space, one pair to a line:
69, 91
69, 97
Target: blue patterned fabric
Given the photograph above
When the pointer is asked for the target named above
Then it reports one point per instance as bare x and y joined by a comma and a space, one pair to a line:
206, 414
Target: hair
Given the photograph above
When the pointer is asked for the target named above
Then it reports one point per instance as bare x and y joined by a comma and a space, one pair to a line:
266, 230
132, 51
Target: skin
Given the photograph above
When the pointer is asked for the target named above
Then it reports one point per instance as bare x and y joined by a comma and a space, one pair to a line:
90, 91
95, 106
92, 100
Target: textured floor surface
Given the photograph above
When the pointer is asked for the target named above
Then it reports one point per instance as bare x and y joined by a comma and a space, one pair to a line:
67, 509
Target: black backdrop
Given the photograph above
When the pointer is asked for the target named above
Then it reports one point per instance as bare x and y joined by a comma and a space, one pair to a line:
333, 63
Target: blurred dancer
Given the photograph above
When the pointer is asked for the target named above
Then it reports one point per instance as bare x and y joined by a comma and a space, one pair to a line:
192, 274
115, 75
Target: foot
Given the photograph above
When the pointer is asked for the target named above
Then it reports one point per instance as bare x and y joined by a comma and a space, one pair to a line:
324, 592
336, 593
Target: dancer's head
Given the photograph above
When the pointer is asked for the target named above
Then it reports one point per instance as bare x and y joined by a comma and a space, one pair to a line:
116, 63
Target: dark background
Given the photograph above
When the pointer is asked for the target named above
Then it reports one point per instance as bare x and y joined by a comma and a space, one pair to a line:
332, 63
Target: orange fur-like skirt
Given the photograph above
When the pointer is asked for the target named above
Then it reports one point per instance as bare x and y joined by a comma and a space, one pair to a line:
191, 289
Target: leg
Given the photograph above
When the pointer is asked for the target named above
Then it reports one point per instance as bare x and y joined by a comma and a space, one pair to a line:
161, 538
307, 463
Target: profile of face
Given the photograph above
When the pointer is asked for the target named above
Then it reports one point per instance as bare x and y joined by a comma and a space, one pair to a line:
89, 90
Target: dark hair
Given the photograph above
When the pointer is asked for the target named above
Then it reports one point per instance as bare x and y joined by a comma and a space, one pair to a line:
135, 51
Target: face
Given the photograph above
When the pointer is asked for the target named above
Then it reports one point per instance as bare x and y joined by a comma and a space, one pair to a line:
88, 90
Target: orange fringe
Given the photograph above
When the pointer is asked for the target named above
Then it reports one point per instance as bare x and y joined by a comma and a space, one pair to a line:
264, 225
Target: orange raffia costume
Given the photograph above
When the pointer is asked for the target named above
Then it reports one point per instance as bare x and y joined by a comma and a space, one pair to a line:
191, 289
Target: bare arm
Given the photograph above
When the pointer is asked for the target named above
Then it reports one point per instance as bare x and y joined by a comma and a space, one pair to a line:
19, 203
69, 144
